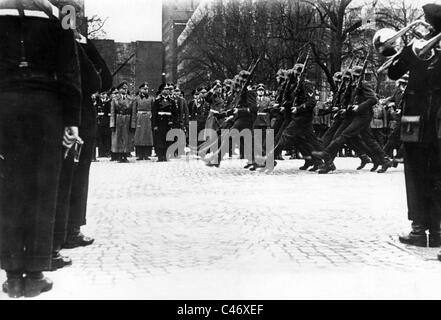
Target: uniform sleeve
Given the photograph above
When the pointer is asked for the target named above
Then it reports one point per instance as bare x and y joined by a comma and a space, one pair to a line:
370, 98
134, 113
90, 78
69, 79
402, 63
308, 95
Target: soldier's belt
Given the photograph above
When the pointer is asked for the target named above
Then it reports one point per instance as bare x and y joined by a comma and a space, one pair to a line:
101, 114
144, 112
262, 114
164, 114
214, 111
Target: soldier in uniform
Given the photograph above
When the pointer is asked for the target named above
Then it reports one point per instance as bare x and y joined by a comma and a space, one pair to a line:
263, 120
104, 134
40, 98
144, 130
242, 117
164, 115
355, 127
215, 117
299, 131
421, 138
122, 123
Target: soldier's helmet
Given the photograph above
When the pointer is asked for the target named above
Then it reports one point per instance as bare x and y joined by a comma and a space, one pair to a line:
145, 85
347, 75
260, 86
298, 67
338, 76
169, 86
228, 83
243, 76
217, 84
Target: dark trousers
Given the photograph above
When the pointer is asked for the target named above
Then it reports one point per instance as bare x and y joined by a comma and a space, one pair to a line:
422, 169
393, 141
104, 141
355, 130
298, 134
31, 130
378, 134
143, 152
80, 180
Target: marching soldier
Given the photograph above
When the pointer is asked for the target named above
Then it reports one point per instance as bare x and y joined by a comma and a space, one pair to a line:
355, 127
123, 123
164, 115
421, 138
144, 131
215, 117
299, 131
40, 97
242, 117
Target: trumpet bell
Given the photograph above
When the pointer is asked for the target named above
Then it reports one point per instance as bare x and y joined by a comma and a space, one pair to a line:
422, 50
386, 42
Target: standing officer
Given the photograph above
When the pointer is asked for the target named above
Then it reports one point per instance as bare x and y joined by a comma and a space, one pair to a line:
164, 115
104, 135
263, 120
144, 130
421, 137
122, 123
40, 98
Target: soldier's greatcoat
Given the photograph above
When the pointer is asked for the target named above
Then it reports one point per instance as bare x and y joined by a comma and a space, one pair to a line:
123, 123
144, 130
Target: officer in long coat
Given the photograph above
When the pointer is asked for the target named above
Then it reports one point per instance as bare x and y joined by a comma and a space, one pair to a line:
421, 138
164, 115
123, 123
40, 98
144, 131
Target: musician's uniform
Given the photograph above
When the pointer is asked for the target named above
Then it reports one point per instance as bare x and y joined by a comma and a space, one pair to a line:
74, 183
422, 157
165, 114
144, 130
40, 94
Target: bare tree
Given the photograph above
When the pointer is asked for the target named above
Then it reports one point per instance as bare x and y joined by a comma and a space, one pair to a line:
95, 27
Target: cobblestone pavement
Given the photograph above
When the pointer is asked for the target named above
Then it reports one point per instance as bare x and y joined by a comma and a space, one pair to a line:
181, 230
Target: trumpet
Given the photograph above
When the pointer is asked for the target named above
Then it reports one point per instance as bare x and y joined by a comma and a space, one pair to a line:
389, 42
425, 49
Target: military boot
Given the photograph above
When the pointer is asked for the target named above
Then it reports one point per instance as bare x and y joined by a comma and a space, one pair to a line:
417, 237
365, 160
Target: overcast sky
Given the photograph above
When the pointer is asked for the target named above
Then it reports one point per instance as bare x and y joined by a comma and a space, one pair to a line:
129, 20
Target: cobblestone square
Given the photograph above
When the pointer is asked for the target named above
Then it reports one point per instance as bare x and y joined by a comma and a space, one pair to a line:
180, 230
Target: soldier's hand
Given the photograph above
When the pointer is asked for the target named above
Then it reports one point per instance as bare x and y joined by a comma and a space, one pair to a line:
70, 136
235, 111
294, 110
335, 109
355, 108
155, 128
